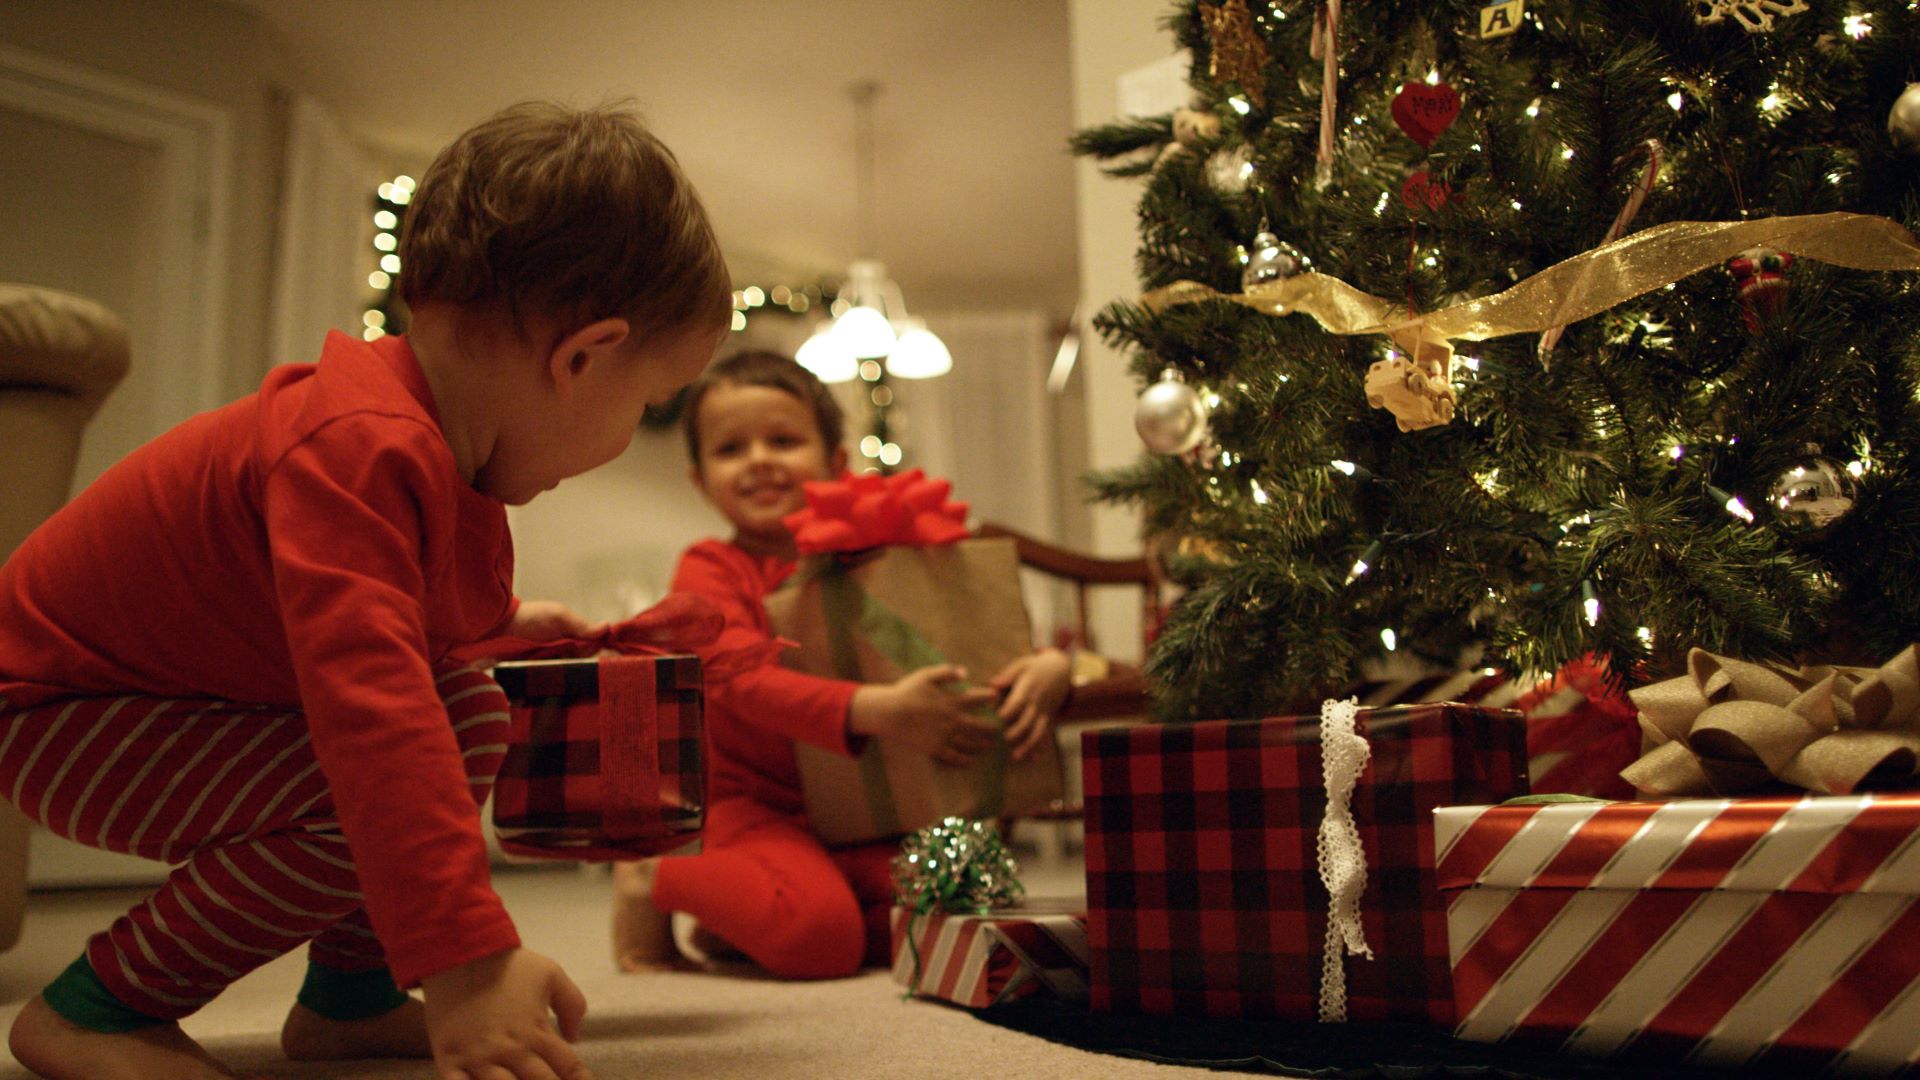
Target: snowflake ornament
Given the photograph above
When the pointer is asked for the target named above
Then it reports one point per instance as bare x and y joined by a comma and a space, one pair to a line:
1754, 16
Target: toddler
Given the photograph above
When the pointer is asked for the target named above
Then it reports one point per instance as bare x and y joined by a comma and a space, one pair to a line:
231, 652
758, 426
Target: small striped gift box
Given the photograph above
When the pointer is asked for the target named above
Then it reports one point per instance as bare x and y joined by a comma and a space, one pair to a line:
606, 758
1778, 933
982, 960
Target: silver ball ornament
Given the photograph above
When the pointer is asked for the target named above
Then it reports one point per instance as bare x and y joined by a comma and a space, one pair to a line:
1903, 120
1813, 494
1270, 259
1170, 417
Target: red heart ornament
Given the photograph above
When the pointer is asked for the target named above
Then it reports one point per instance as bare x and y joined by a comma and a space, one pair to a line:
1424, 111
1423, 192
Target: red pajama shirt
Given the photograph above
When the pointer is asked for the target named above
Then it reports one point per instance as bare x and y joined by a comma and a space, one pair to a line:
311, 547
763, 881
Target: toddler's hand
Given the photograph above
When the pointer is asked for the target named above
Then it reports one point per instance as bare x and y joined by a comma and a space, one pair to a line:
919, 712
549, 620
1036, 686
490, 1018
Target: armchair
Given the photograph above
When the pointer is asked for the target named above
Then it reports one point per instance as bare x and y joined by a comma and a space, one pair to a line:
60, 355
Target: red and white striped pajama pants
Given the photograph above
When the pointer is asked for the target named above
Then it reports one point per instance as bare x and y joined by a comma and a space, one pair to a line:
233, 795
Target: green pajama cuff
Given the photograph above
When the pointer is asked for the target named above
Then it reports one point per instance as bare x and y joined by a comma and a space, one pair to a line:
350, 995
80, 996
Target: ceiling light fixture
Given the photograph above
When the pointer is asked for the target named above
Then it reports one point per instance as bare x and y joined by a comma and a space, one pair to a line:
875, 325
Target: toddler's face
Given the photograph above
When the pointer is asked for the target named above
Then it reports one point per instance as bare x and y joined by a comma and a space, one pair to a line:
758, 444
596, 421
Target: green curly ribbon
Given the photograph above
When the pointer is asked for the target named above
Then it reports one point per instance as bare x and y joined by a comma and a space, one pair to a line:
959, 867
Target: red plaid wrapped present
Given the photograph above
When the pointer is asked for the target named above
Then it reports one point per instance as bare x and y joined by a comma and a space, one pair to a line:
1201, 860
982, 960
606, 758
1755, 932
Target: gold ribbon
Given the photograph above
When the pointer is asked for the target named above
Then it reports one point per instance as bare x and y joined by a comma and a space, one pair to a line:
1729, 726
1580, 287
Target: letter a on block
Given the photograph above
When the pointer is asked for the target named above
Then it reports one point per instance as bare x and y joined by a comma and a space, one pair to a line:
1499, 20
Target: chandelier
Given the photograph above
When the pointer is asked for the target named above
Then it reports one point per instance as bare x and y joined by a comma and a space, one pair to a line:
872, 336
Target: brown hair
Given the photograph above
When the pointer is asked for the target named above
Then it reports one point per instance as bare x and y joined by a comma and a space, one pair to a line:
762, 367
564, 213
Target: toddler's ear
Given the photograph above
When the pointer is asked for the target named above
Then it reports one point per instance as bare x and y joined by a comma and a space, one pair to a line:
837, 461
573, 354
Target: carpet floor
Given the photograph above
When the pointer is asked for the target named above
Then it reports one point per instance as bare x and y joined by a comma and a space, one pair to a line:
723, 1025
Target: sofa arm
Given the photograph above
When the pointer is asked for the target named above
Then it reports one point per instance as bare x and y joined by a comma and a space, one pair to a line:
60, 355
59, 343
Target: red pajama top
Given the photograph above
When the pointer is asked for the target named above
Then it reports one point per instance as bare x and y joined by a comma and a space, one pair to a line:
754, 719
312, 544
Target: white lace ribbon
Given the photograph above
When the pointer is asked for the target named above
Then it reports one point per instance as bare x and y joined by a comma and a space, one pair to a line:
1343, 861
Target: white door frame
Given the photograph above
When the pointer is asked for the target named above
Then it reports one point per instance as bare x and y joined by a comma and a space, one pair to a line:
194, 142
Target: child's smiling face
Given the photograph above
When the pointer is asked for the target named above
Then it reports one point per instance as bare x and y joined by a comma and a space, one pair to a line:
758, 445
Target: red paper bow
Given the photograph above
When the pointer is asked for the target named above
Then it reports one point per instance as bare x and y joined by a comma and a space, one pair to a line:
854, 513
682, 623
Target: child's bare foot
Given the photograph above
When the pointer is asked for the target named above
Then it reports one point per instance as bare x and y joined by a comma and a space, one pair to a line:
400, 1033
54, 1047
642, 933
713, 946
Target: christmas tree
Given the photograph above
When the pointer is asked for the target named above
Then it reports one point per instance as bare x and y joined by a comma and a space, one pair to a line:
1717, 450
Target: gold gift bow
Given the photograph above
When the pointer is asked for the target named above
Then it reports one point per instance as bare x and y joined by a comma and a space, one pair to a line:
1728, 726
1580, 287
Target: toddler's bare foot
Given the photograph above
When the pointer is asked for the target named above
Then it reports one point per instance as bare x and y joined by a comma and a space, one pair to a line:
399, 1033
642, 933
54, 1047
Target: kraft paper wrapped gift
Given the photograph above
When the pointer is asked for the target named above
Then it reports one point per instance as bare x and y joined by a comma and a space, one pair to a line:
874, 614
874, 620
1202, 889
1775, 933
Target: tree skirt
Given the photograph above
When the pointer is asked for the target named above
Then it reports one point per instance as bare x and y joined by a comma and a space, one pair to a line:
1290, 1048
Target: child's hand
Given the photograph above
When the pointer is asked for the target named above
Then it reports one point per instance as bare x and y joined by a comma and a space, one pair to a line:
1036, 686
489, 1018
549, 620
918, 712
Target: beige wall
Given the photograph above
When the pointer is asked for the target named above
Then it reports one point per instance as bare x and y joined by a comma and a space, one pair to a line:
1109, 38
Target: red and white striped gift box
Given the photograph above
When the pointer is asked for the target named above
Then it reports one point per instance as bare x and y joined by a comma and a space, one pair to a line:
1751, 932
982, 960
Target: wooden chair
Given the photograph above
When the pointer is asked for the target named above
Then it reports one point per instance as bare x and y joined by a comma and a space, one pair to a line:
1120, 696
1123, 691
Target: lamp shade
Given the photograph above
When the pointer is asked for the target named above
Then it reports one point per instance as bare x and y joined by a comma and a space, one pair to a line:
826, 357
864, 333
919, 354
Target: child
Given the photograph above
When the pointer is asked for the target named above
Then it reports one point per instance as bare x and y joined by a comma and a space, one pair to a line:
230, 652
759, 426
